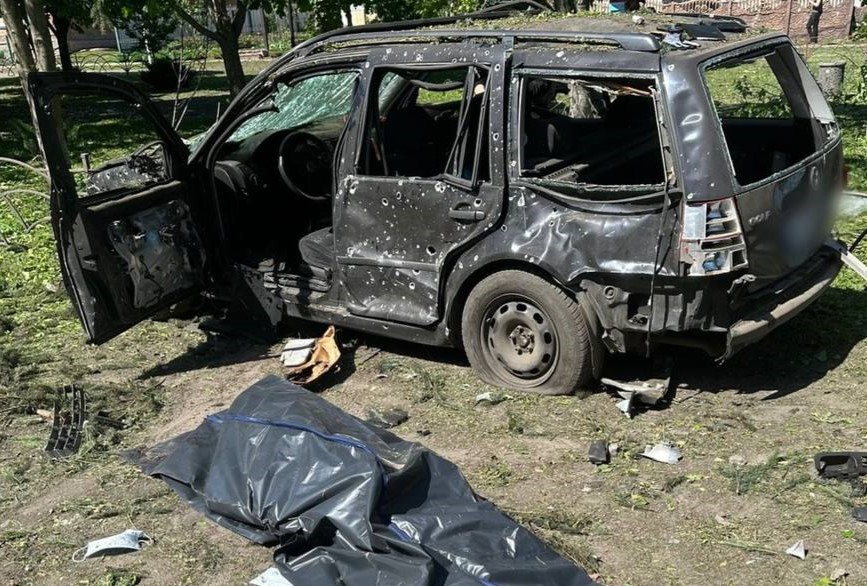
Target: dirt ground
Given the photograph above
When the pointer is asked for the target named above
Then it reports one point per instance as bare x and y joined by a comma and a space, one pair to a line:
742, 494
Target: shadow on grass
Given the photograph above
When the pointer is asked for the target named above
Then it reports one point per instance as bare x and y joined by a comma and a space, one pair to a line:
229, 343
791, 358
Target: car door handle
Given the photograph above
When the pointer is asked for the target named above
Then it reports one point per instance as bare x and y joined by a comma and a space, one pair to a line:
466, 214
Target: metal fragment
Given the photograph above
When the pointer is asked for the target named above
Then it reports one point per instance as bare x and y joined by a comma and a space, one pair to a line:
67, 425
665, 452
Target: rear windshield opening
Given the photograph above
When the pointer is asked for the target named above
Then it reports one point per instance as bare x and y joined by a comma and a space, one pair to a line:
771, 111
584, 134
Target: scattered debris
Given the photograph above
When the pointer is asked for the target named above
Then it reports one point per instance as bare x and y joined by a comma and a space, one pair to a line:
103, 418
64, 439
838, 575
323, 357
722, 520
428, 527
599, 452
637, 20
845, 467
126, 542
665, 452
297, 351
848, 257
841, 465
386, 418
270, 577
613, 449
648, 392
798, 550
490, 398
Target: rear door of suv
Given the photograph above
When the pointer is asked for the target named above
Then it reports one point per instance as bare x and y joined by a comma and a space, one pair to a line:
782, 156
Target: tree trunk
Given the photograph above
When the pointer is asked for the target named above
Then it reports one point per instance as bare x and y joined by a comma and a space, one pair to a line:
61, 26
42, 45
16, 28
227, 29
265, 36
232, 64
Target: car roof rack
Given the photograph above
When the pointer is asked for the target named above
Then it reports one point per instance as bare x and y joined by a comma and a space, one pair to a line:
626, 41
394, 31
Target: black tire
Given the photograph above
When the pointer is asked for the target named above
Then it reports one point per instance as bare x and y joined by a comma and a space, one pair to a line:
522, 332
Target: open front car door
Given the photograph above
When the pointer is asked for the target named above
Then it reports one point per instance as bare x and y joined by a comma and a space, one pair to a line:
123, 206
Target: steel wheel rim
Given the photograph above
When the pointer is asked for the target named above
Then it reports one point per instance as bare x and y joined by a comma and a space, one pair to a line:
519, 340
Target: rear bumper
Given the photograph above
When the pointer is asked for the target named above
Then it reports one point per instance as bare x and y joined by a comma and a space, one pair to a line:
778, 303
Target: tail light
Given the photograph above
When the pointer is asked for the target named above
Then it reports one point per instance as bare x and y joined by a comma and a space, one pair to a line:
712, 241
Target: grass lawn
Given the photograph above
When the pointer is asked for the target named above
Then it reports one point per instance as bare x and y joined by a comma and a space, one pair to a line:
748, 429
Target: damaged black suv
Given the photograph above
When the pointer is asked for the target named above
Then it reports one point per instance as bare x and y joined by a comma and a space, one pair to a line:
538, 196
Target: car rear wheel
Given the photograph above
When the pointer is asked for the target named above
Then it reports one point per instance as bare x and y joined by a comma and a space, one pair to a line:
523, 332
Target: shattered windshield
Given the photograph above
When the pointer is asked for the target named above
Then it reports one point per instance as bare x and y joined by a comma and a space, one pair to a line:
314, 98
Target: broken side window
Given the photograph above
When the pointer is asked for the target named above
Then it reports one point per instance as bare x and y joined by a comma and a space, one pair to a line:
426, 123
581, 133
771, 112
110, 144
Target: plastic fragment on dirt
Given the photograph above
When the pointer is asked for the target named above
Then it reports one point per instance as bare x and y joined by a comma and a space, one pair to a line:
67, 426
297, 351
860, 514
386, 418
665, 452
841, 465
598, 453
323, 357
798, 550
490, 398
270, 577
345, 502
129, 541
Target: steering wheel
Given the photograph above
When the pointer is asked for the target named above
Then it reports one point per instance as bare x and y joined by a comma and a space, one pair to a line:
304, 162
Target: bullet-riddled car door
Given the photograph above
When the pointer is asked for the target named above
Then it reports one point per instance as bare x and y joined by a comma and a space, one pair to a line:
421, 176
122, 207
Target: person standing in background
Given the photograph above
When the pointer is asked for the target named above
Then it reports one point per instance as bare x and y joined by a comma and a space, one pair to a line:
813, 20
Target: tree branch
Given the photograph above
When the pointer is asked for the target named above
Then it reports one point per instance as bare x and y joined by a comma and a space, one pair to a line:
189, 19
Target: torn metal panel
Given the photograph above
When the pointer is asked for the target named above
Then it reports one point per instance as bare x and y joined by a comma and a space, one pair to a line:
344, 501
161, 251
604, 61
131, 540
